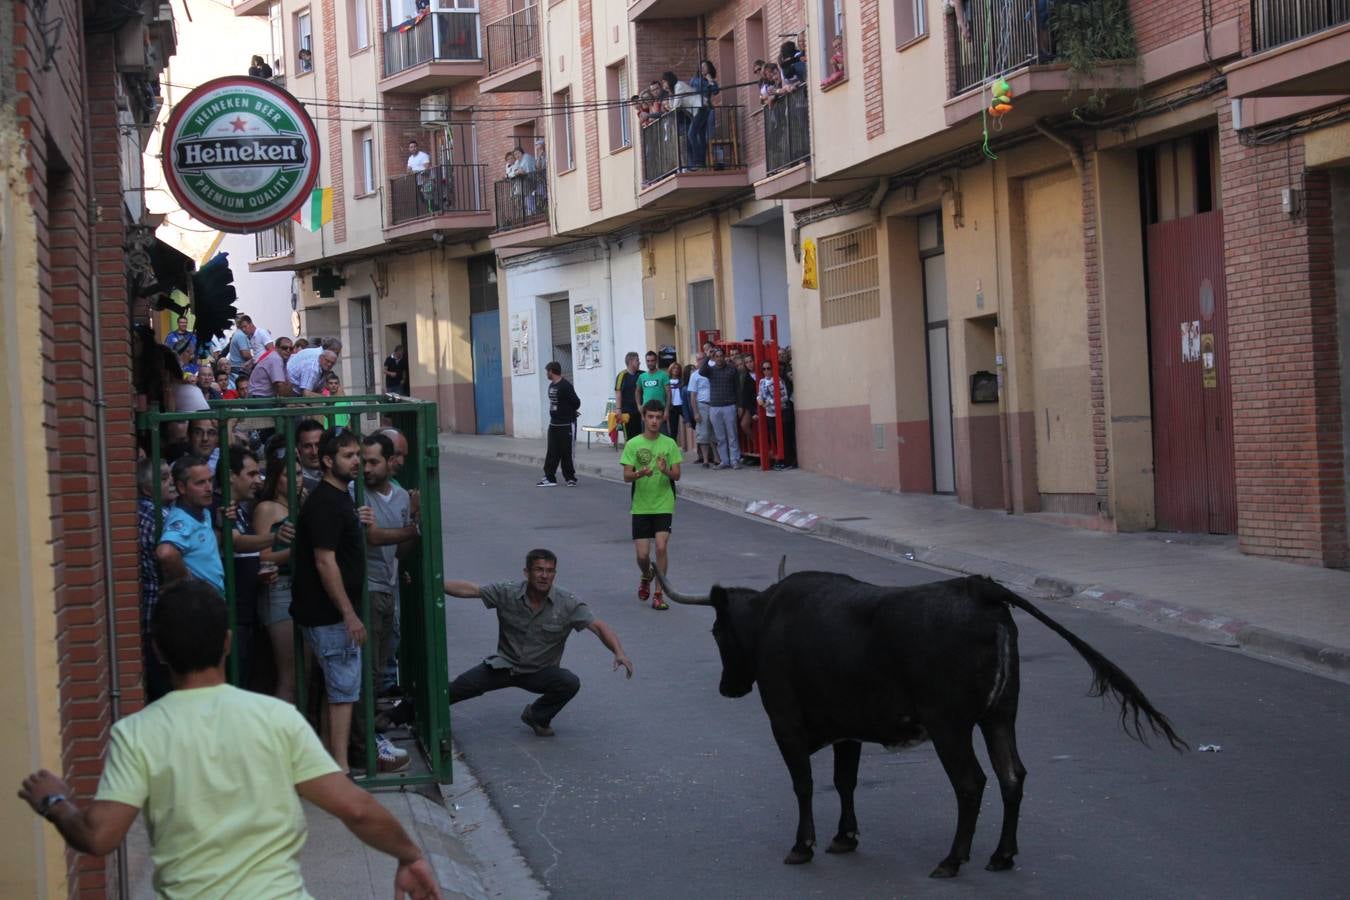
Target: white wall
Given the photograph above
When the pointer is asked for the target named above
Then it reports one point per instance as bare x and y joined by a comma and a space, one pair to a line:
759, 278
586, 277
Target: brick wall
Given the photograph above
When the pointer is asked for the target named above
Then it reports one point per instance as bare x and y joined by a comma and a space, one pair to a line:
870, 27
1284, 353
327, 65
1101, 459
590, 117
1159, 22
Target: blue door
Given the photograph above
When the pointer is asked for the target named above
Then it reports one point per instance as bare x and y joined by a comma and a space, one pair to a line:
485, 334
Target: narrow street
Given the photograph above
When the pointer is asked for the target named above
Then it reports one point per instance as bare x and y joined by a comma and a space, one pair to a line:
659, 787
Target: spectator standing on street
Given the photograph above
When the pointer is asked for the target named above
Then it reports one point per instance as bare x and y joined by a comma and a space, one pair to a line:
218, 773
155, 675
675, 418
307, 368
651, 464
271, 519
747, 399
396, 372
626, 396
187, 545
241, 353
307, 436
223, 388
245, 485
768, 404
534, 619
721, 407
204, 439
329, 564
653, 384
563, 408
182, 339
269, 378
700, 391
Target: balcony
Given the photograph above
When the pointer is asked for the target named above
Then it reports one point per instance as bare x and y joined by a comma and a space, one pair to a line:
448, 199
678, 173
434, 50
273, 248
787, 148
1301, 49
522, 213
1010, 41
671, 9
513, 59
250, 7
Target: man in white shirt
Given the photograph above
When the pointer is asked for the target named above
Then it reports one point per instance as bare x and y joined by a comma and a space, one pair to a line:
418, 161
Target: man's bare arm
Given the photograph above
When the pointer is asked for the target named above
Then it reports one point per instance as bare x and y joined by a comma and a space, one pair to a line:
97, 829
466, 590
611, 641
171, 564
330, 576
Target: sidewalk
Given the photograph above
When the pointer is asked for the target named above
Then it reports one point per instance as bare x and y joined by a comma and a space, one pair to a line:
1198, 584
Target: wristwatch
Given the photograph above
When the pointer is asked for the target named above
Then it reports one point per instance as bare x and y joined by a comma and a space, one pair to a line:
46, 803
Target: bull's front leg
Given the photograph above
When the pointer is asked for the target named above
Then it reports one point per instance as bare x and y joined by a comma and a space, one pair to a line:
846, 755
798, 758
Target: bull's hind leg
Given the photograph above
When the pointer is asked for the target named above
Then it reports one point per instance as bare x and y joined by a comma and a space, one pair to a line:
846, 754
1001, 739
954, 748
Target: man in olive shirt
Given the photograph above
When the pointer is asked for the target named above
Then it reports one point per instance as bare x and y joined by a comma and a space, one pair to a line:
533, 621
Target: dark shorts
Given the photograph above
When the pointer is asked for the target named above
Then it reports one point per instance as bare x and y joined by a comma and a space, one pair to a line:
645, 527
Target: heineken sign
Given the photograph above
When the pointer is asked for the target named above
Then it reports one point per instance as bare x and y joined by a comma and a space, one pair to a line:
240, 154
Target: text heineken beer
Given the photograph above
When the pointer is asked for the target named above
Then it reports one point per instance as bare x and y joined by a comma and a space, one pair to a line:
240, 154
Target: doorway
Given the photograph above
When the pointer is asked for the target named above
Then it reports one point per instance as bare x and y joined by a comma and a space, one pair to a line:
395, 336
932, 257
486, 338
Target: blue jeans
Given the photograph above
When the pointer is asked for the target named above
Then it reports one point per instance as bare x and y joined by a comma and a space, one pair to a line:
339, 659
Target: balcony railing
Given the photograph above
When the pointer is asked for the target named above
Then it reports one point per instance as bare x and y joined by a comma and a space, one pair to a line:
674, 143
522, 201
1017, 39
787, 131
513, 39
1276, 22
274, 242
432, 37
440, 190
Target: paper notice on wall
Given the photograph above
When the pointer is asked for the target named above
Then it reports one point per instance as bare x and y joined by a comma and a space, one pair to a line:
1190, 342
522, 356
1208, 360
586, 340
810, 280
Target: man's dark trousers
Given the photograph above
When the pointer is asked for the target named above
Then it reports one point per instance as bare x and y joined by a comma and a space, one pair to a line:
559, 450
557, 684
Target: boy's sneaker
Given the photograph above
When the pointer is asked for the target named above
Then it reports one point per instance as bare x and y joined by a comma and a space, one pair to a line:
544, 482
391, 758
644, 589
659, 602
571, 482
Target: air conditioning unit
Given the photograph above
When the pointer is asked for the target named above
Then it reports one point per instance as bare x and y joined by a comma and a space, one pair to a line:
435, 110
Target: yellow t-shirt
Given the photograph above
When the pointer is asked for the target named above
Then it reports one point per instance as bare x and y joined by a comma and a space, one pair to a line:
214, 770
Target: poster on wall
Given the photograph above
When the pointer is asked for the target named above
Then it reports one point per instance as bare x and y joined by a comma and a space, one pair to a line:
587, 337
522, 357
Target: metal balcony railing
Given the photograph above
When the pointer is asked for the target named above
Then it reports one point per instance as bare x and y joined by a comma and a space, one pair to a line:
274, 242
672, 143
1017, 39
787, 131
1276, 22
522, 201
513, 39
441, 190
432, 37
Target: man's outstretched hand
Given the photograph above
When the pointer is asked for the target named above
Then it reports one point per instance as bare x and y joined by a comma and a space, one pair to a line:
416, 880
621, 660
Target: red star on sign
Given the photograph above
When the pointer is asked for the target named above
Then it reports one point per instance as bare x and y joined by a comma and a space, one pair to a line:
238, 123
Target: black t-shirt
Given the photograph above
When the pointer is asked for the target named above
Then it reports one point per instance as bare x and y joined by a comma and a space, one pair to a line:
400, 367
563, 402
328, 521
626, 385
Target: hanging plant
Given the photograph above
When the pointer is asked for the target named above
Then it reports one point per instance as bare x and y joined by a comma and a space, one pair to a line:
1089, 34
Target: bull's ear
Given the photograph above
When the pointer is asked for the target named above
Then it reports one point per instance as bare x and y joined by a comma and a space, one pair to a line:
719, 597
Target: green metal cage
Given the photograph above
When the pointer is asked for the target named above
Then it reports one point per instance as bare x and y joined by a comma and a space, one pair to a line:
422, 663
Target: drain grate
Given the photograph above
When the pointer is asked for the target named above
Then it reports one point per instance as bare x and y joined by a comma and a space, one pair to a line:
853, 519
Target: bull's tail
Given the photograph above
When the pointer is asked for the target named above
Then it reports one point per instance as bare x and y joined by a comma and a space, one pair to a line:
1107, 677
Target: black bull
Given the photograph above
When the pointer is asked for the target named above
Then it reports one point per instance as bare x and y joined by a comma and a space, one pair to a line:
840, 661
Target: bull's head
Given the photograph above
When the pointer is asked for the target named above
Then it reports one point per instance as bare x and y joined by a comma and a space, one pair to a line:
733, 629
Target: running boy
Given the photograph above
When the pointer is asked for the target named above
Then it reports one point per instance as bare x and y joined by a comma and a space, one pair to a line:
651, 464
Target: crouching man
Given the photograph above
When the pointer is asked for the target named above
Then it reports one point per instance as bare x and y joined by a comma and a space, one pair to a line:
533, 621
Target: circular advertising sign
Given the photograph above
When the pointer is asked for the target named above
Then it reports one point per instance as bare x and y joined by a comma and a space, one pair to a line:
240, 154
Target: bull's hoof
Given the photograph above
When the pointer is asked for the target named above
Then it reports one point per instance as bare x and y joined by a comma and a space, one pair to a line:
797, 856
946, 869
843, 843
1000, 863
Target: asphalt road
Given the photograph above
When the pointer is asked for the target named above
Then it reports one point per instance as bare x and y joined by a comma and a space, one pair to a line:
659, 787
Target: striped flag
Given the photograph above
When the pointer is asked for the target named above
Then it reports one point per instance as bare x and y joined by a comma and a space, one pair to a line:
317, 211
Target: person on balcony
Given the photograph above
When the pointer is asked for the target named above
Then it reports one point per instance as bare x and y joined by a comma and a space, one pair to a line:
684, 101
258, 68
419, 165
792, 62
702, 123
771, 85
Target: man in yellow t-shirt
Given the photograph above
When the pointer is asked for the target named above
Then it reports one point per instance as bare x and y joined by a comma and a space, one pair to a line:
219, 773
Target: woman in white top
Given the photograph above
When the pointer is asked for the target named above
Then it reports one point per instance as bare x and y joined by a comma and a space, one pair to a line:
768, 402
675, 415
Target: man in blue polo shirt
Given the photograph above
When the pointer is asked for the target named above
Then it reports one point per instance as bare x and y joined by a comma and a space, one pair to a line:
187, 545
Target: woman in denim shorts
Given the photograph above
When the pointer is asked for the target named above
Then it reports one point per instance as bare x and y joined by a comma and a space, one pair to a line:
274, 603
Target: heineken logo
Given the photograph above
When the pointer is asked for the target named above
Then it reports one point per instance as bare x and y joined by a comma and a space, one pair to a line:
240, 154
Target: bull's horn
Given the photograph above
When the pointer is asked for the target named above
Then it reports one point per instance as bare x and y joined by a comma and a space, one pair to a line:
782, 567
676, 595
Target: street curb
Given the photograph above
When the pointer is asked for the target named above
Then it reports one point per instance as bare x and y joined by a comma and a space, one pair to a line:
1256, 639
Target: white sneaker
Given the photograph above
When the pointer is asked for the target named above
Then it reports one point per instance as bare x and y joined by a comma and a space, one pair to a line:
544, 482
391, 758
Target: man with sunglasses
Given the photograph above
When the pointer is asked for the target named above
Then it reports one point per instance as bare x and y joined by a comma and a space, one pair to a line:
269, 373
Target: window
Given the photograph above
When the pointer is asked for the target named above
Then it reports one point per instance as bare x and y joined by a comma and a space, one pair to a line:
560, 328
274, 25
363, 147
832, 40
702, 311
562, 130
304, 43
850, 287
620, 121
754, 42
358, 19
911, 21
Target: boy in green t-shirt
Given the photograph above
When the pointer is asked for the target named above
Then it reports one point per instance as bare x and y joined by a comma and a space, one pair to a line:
651, 464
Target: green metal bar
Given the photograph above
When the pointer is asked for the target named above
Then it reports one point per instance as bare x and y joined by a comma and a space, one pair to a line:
367, 670
325, 408
227, 552
157, 495
292, 515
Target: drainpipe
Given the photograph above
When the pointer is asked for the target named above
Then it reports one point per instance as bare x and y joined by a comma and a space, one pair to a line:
1069, 145
609, 295
879, 195
104, 506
